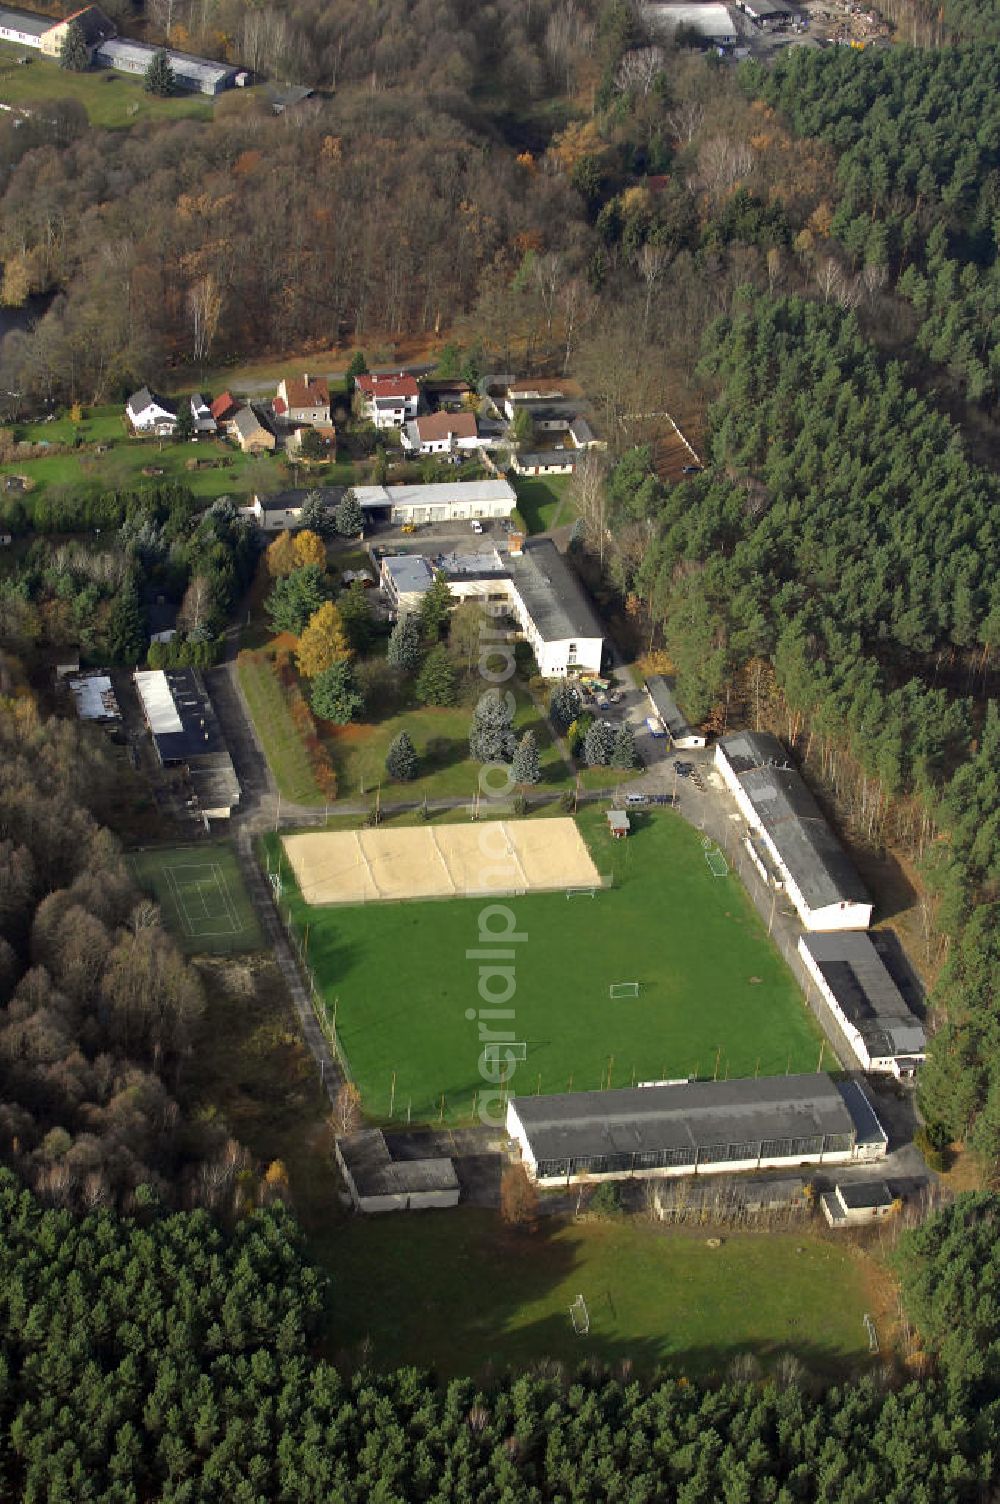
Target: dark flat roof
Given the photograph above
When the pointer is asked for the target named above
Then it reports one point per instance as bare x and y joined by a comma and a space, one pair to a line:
865, 992
375, 1172
694, 1114
857, 1194
815, 859
555, 599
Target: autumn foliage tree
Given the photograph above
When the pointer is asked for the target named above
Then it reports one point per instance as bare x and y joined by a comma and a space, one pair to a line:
323, 643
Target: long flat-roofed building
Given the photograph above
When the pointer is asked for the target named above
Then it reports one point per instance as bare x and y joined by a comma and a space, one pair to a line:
695, 1128
671, 717
196, 75
791, 841
448, 501
186, 733
859, 990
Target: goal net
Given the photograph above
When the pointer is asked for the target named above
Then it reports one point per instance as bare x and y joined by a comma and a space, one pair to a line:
580, 892
623, 989
580, 1316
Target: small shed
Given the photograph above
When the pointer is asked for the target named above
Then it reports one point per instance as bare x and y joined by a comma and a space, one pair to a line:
618, 823
857, 1202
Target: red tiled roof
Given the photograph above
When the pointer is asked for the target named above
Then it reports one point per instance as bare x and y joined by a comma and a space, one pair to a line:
223, 407
280, 405
307, 391
444, 425
388, 386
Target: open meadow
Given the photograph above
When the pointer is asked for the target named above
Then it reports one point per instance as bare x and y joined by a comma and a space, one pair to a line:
714, 996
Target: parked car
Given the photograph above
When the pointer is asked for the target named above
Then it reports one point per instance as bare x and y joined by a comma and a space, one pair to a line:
476, 525
635, 801
691, 469
683, 769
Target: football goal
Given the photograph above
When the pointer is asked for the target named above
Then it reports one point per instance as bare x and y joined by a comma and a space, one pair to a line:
580, 1316
580, 892
623, 989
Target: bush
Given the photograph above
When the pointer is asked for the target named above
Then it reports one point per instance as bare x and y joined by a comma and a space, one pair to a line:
606, 1200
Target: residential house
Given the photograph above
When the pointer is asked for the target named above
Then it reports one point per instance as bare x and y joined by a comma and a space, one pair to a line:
441, 433
325, 432
249, 432
387, 401
282, 511
224, 408
148, 415
303, 401
93, 25
546, 462
201, 414
22, 28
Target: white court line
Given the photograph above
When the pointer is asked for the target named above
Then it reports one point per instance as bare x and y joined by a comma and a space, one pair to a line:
199, 932
228, 903
179, 903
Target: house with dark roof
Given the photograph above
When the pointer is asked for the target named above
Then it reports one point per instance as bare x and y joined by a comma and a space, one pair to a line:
860, 992
250, 433
201, 415
303, 401
91, 22
788, 837
387, 401
148, 415
695, 1128
857, 1202
545, 462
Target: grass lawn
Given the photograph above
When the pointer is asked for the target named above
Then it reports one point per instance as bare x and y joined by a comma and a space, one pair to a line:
99, 425
715, 995
544, 503
201, 893
122, 466
441, 737
283, 745
111, 99
460, 1291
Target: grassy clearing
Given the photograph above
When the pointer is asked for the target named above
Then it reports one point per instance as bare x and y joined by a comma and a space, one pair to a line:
98, 425
122, 466
283, 745
544, 503
114, 100
461, 1292
715, 995
201, 893
441, 737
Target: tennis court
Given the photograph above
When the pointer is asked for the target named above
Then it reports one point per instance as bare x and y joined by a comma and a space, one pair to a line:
201, 895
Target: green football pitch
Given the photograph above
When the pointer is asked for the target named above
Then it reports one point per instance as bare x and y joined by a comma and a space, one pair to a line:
714, 997
201, 895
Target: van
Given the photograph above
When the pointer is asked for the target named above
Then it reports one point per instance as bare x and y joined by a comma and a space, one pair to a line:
635, 801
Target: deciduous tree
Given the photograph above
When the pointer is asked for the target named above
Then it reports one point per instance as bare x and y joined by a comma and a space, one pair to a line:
323, 642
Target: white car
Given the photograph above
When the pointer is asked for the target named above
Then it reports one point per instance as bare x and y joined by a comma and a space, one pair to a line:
476, 526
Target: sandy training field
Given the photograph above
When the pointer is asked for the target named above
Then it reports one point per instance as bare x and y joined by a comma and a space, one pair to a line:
440, 861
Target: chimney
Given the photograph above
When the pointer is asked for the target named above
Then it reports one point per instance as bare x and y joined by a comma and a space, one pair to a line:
515, 544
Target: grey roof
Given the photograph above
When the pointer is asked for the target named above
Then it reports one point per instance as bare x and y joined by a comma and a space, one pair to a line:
547, 457
866, 993
408, 572
282, 98
817, 863
439, 493
666, 706
582, 431
93, 23
132, 56
553, 596
214, 781
696, 1114
375, 1173
21, 20
866, 1123
246, 422
856, 1195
